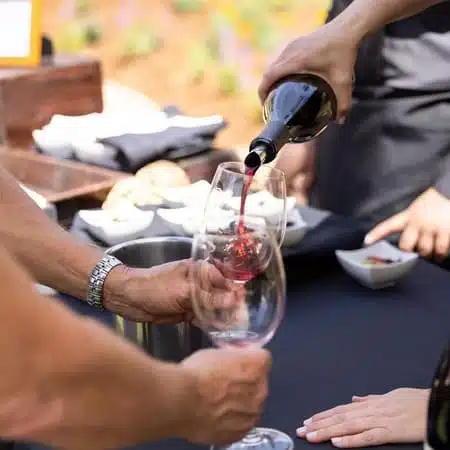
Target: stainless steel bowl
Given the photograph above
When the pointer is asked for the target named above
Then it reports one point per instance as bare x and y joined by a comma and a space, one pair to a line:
170, 342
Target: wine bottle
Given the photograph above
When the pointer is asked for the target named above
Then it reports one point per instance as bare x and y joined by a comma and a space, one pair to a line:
438, 423
297, 109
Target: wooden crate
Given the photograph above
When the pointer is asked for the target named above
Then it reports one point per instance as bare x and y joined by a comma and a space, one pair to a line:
69, 85
58, 180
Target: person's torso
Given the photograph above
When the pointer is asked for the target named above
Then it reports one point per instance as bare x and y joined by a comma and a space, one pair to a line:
410, 54
396, 142
388, 152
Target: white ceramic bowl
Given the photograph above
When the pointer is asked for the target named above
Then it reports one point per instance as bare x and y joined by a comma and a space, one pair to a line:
262, 204
377, 276
188, 220
194, 194
295, 229
114, 226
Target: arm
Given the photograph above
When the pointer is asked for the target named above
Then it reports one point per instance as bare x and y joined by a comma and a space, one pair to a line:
365, 17
51, 255
331, 50
57, 259
69, 383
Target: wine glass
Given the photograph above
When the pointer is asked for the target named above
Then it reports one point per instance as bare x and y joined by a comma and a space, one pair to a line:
238, 293
262, 194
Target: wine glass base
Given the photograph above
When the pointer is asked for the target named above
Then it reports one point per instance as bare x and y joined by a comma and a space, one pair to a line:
261, 439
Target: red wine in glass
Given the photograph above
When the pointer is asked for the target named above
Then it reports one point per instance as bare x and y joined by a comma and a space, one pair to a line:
243, 262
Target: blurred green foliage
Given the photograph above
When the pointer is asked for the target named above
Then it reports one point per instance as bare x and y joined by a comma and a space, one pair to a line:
199, 62
228, 80
75, 36
187, 6
138, 41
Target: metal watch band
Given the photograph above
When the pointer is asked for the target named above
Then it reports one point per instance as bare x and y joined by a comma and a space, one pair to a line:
97, 280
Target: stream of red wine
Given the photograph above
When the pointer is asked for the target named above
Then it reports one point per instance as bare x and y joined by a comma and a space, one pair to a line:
243, 249
250, 173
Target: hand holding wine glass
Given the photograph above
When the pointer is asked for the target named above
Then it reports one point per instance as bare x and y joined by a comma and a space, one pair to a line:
230, 389
238, 293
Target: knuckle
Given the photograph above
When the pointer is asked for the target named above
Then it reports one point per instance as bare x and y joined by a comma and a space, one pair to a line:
340, 418
369, 437
343, 78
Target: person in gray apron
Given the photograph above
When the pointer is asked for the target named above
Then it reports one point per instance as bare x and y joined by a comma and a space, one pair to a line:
395, 143
392, 149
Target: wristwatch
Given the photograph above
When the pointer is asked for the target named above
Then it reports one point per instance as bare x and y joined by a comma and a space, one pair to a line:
97, 280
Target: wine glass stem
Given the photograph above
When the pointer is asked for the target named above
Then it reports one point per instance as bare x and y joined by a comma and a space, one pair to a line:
253, 437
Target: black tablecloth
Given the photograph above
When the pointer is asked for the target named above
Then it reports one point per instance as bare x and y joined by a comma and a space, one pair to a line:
339, 339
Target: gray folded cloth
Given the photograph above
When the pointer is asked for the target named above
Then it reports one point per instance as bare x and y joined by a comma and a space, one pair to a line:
175, 136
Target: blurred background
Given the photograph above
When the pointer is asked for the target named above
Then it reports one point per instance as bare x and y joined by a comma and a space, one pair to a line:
204, 56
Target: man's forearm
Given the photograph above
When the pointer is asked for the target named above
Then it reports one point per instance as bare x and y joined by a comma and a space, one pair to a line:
69, 383
365, 17
51, 255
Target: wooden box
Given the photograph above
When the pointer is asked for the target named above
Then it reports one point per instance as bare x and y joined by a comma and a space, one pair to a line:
69, 85
58, 180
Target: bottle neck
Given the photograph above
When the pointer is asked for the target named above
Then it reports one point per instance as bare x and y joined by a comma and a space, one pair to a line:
273, 137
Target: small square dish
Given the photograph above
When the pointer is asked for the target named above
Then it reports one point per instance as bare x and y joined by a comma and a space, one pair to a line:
194, 194
296, 228
377, 266
117, 225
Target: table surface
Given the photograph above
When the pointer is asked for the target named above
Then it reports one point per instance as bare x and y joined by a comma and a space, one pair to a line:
339, 339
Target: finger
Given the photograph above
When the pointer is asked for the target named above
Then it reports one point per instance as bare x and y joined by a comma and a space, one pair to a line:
425, 245
175, 318
347, 428
357, 398
341, 420
341, 409
344, 101
279, 69
369, 438
268, 79
393, 225
409, 238
442, 246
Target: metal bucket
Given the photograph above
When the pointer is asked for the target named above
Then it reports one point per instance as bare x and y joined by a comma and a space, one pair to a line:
169, 342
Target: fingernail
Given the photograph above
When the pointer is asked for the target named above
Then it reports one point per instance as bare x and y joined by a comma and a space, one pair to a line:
301, 431
368, 240
337, 441
307, 421
341, 121
311, 436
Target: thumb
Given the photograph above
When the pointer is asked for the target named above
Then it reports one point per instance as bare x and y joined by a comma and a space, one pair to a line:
392, 225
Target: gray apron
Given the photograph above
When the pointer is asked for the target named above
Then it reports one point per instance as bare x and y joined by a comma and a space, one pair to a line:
396, 141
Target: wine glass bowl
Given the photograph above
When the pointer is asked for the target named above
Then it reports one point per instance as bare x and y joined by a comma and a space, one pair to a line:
262, 194
238, 282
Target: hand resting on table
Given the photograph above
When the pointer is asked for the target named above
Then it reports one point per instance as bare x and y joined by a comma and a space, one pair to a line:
396, 417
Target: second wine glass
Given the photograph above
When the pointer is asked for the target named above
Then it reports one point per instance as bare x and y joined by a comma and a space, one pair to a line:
236, 191
238, 295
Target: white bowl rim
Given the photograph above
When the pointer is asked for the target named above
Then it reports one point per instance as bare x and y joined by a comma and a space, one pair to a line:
346, 255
